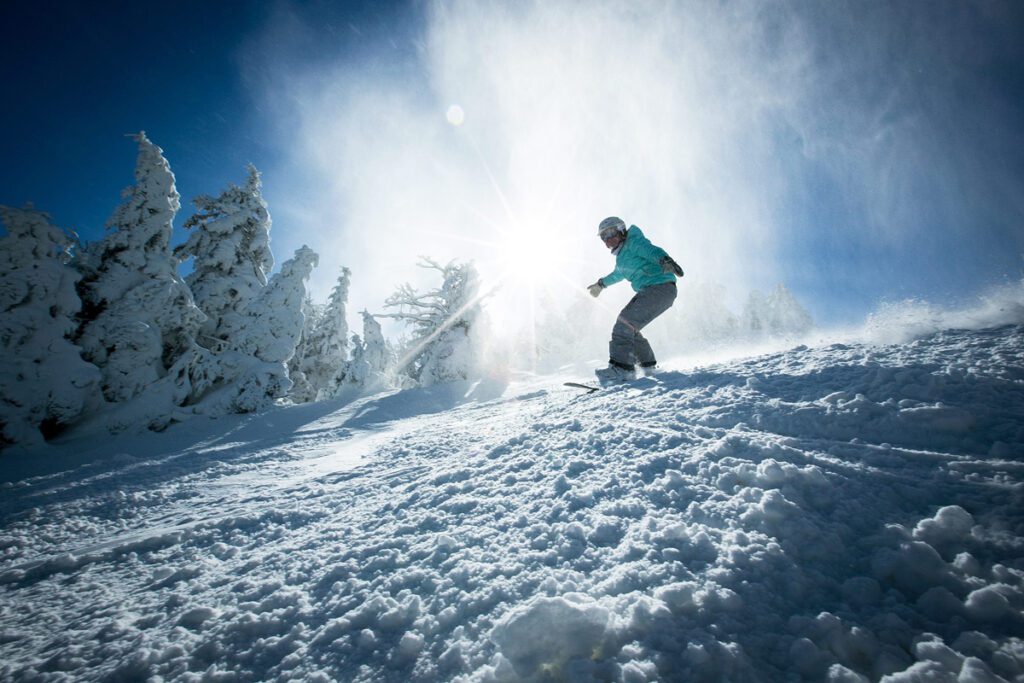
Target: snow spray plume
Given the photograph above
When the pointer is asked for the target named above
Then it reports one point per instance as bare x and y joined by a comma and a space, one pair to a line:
533, 156
758, 144
902, 321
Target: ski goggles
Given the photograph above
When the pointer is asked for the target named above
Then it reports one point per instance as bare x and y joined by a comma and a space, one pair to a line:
606, 235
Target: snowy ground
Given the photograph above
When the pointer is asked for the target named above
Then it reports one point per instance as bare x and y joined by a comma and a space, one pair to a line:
846, 512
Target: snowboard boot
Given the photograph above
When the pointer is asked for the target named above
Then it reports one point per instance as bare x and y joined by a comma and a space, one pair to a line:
650, 369
614, 373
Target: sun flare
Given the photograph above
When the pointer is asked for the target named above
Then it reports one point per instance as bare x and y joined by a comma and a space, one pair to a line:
525, 258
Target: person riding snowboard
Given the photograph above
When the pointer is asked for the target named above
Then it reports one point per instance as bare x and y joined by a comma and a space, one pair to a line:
652, 273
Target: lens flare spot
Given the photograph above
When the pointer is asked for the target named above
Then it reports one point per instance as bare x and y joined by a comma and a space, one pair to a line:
455, 115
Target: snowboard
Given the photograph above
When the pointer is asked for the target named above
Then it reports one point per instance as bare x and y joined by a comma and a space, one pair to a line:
579, 385
639, 382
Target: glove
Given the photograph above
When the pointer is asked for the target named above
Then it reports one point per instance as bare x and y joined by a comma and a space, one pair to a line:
670, 266
595, 289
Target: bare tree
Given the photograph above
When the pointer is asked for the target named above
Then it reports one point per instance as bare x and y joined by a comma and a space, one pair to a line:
445, 342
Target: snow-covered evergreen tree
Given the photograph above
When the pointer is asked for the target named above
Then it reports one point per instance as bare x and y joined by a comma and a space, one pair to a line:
327, 350
272, 324
446, 345
371, 359
138, 315
302, 391
357, 369
702, 316
753, 323
263, 340
247, 377
44, 382
378, 355
777, 315
230, 246
787, 318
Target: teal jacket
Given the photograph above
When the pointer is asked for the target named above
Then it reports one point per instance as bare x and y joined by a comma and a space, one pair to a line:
637, 262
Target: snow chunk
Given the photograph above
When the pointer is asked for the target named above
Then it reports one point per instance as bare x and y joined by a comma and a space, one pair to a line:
937, 651
678, 596
445, 543
976, 671
606, 533
195, 617
367, 639
914, 569
989, 603
410, 645
550, 632
773, 507
939, 604
950, 525
922, 672
838, 673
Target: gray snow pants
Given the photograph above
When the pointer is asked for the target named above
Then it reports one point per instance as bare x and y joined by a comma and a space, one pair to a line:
628, 347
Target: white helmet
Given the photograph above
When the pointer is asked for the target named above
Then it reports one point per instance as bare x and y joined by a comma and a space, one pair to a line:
612, 223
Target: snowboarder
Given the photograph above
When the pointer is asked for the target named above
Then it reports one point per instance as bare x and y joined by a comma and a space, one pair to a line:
652, 273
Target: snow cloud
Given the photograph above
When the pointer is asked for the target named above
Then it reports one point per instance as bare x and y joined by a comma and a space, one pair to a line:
815, 145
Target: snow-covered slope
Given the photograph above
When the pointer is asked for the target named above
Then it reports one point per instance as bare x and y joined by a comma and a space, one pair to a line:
836, 513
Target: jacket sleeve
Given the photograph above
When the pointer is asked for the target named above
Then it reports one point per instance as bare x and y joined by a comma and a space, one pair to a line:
612, 277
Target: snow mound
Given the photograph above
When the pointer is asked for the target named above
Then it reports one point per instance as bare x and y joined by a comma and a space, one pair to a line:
548, 632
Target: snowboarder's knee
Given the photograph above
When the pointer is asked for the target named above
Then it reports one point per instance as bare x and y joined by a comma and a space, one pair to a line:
623, 330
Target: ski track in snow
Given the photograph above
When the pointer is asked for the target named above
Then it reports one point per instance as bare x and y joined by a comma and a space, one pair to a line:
845, 513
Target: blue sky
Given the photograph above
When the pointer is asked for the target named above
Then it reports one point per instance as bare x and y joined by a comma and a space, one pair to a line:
858, 152
87, 74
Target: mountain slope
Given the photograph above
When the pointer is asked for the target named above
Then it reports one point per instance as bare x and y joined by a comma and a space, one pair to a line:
829, 513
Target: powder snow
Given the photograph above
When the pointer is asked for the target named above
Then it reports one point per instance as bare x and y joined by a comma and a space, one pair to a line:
844, 512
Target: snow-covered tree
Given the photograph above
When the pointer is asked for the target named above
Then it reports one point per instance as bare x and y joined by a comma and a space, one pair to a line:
302, 391
174, 397
263, 340
230, 246
787, 317
327, 349
44, 383
378, 355
248, 374
702, 316
371, 358
357, 369
138, 315
777, 315
753, 323
272, 324
446, 343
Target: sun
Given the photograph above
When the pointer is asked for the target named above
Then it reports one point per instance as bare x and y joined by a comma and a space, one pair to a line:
530, 275
528, 259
